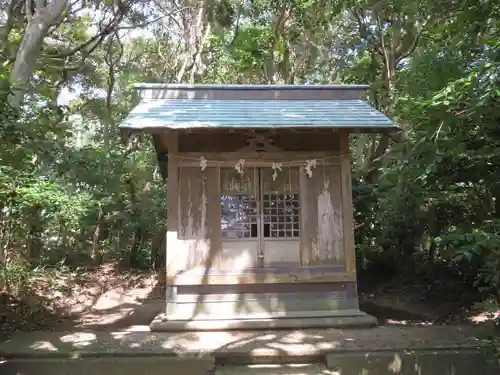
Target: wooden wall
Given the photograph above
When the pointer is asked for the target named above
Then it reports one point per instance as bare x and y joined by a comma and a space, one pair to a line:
199, 216
321, 217
194, 235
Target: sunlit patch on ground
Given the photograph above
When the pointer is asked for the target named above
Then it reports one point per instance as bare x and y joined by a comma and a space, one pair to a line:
485, 317
407, 322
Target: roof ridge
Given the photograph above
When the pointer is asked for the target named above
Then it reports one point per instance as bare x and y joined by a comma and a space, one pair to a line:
213, 86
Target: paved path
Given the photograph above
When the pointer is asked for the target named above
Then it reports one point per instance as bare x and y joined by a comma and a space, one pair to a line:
140, 341
432, 350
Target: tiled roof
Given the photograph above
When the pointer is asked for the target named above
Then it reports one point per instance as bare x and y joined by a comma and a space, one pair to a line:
208, 113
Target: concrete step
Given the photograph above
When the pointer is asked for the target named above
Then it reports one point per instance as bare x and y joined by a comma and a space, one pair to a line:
389, 350
249, 322
446, 362
134, 365
290, 369
420, 362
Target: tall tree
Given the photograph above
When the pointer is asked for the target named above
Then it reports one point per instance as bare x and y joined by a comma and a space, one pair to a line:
40, 16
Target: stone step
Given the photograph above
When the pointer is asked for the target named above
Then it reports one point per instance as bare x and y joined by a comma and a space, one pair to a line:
132, 365
421, 362
335, 320
290, 369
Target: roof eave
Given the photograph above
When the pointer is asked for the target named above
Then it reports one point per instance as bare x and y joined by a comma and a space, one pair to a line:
351, 128
394, 132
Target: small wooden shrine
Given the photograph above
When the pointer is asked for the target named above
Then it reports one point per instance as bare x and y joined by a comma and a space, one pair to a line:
259, 206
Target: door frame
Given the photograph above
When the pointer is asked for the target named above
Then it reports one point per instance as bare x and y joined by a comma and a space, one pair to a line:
262, 240
263, 245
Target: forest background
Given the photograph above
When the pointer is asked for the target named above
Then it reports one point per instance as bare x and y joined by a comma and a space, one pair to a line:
74, 197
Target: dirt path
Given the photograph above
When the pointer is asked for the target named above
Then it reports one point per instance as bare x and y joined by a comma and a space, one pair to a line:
117, 300
107, 298
104, 298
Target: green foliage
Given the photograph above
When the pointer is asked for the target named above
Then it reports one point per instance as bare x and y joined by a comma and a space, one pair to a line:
72, 193
66, 201
434, 211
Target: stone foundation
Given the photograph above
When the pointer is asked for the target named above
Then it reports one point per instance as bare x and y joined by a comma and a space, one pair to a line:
340, 319
261, 306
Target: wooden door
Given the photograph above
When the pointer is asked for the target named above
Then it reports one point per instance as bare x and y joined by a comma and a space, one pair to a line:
280, 217
240, 219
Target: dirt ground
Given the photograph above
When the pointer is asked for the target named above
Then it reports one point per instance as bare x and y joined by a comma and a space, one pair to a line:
104, 298
107, 298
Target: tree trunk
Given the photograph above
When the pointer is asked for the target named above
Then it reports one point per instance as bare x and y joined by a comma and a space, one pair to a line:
4, 241
196, 31
34, 240
100, 224
31, 45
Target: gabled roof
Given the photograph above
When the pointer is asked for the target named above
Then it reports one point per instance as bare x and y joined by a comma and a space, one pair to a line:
256, 107
200, 113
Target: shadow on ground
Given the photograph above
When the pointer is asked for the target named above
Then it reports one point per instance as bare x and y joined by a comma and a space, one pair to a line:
393, 350
106, 298
109, 299
124, 306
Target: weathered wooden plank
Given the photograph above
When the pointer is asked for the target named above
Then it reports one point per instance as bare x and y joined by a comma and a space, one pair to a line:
213, 217
199, 217
256, 159
192, 204
217, 140
170, 141
322, 233
347, 207
215, 290
309, 215
199, 276
330, 227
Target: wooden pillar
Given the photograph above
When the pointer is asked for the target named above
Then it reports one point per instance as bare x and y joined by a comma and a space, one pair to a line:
172, 235
347, 207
